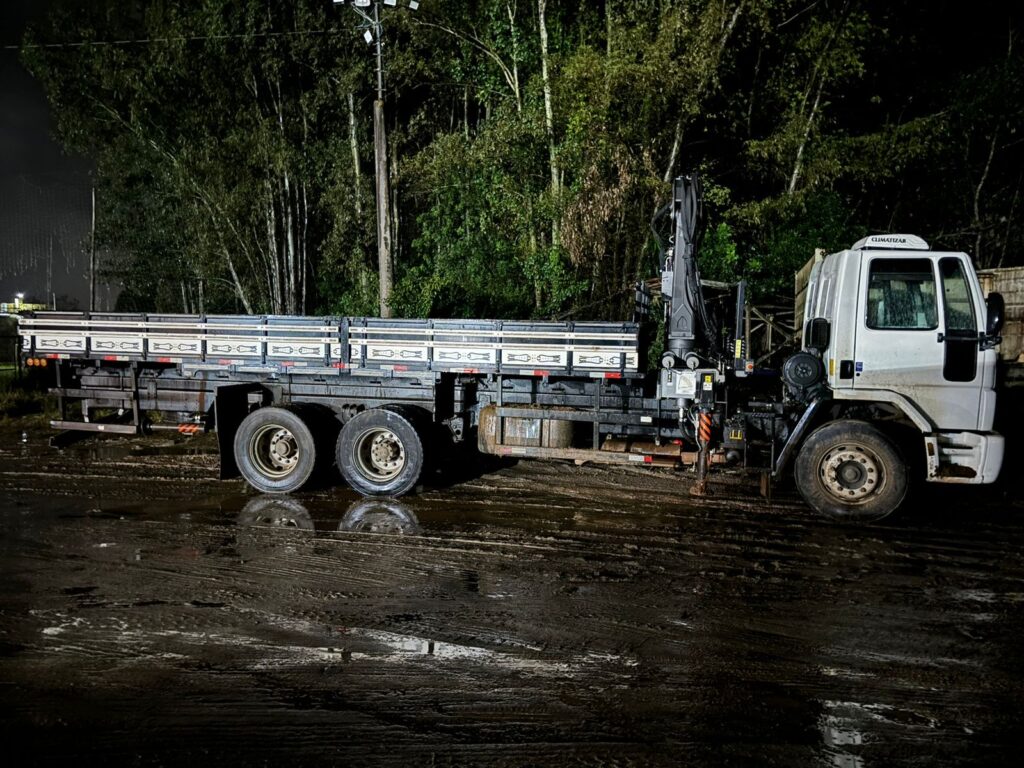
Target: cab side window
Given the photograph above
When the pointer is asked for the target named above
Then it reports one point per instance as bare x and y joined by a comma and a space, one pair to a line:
901, 295
959, 307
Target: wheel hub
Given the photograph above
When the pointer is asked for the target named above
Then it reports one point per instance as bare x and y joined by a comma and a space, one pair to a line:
283, 449
850, 472
274, 450
381, 454
385, 452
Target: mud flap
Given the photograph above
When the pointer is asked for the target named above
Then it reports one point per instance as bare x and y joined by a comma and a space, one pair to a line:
230, 407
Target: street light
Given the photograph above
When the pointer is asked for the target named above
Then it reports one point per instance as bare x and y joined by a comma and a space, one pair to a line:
373, 33
17, 300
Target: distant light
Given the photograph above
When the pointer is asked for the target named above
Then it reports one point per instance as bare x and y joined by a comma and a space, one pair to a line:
362, 3
413, 5
19, 295
367, 36
390, 2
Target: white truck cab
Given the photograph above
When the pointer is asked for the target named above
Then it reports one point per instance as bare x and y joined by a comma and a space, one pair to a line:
896, 323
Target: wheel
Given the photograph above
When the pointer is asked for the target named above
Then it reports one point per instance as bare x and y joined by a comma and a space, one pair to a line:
849, 470
276, 512
275, 450
380, 516
380, 451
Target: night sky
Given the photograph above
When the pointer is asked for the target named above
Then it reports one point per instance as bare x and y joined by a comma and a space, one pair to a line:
44, 194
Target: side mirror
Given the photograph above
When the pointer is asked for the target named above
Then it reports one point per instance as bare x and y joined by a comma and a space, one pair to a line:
996, 312
818, 333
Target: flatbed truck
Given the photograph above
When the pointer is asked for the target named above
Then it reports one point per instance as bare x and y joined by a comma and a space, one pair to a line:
895, 377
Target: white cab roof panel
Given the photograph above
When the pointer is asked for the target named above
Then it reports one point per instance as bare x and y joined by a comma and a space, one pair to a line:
890, 243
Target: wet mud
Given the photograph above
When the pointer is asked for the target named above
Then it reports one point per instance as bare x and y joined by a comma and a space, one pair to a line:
536, 614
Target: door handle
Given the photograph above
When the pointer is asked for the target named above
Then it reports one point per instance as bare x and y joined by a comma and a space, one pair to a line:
942, 337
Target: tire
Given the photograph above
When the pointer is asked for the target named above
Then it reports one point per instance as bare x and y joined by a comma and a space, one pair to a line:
275, 450
380, 451
850, 471
380, 516
276, 512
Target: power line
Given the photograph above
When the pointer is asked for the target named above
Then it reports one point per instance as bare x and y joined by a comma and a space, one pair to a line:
178, 39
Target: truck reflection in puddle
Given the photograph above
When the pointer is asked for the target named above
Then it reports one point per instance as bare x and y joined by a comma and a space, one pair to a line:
276, 512
840, 732
369, 515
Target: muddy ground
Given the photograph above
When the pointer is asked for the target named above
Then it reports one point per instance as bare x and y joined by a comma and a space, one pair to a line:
540, 614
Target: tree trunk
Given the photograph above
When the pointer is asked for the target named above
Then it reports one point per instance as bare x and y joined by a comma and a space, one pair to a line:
515, 55
270, 216
303, 249
354, 143
549, 119
977, 200
396, 243
705, 82
822, 57
798, 163
238, 283
289, 255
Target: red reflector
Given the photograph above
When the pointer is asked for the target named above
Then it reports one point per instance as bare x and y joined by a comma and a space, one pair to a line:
613, 375
163, 359
542, 373
110, 357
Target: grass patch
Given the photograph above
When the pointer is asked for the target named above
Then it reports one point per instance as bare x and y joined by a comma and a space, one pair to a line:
20, 395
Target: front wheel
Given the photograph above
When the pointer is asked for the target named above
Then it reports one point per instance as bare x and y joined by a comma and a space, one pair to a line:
380, 452
275, 450
849, 470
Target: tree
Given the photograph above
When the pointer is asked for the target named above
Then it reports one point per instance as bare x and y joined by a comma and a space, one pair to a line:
530, 143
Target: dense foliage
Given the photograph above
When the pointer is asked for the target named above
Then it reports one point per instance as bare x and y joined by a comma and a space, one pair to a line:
530, 143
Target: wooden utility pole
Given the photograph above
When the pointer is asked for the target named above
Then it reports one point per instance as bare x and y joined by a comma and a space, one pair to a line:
92, 256
372, 33
380, 159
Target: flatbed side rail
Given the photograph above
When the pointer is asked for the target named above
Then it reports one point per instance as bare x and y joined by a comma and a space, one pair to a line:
332, 345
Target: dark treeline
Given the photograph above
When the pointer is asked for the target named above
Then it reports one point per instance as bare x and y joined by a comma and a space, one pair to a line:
530, 143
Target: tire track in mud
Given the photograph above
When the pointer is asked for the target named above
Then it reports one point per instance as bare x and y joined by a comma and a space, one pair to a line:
543, 614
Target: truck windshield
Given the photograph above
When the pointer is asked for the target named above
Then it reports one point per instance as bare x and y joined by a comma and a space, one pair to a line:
901, 295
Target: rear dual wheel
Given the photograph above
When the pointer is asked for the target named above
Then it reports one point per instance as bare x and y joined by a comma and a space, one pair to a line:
275, 450
380, 452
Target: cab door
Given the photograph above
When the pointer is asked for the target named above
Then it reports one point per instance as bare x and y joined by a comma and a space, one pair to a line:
962, 366
902, 342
